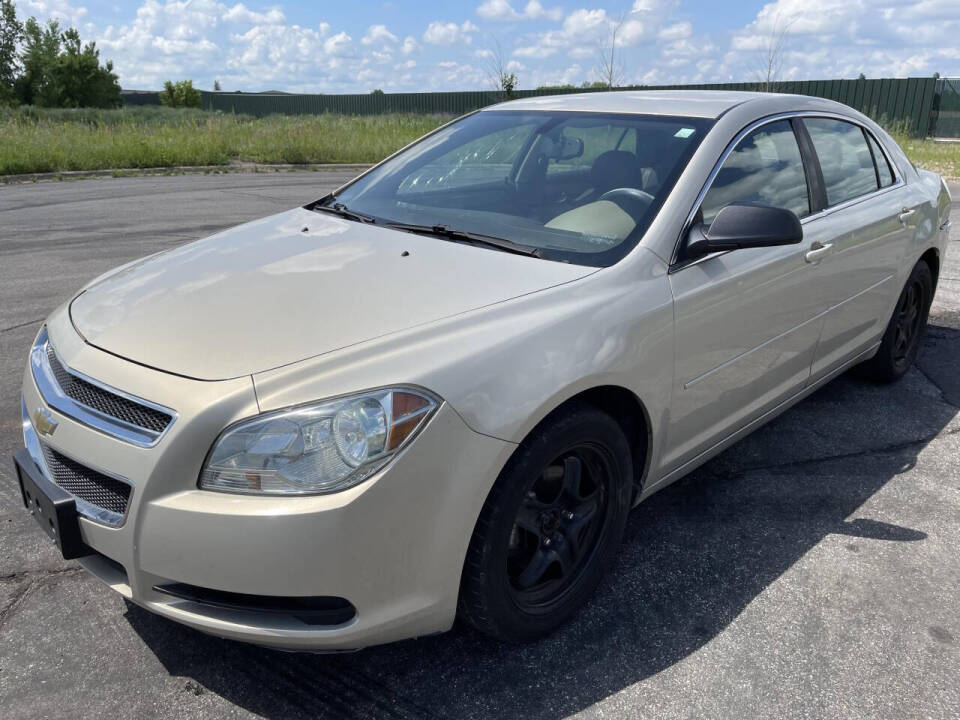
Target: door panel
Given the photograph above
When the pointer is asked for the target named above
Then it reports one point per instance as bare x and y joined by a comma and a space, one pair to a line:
859, 276
746, 323
746, 328
869, 236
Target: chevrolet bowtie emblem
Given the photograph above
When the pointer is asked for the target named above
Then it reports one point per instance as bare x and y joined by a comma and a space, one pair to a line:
43, 421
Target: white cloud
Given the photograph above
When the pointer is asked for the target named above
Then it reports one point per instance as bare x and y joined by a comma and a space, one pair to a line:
676, 32
61, 10
584, 22
338, 44
534, 51
451, 74
274, 53
535, 10
240, 14
631, 32
378, 34
503, 10
449, 33
840, 38
409, 45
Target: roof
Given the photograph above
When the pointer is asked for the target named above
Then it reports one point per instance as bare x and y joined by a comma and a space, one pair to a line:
684, 103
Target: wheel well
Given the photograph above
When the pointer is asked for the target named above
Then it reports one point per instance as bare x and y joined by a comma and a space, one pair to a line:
624, 407
932, 258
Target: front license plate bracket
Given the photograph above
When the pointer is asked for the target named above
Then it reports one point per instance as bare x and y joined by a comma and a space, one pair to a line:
54, 509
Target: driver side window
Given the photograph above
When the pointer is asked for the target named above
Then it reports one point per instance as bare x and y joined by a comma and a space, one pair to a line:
765, 168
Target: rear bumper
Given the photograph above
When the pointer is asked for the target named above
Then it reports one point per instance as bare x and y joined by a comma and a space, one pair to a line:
392, 547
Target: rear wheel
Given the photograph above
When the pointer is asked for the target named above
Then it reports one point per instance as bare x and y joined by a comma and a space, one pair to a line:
901, 341
550, 527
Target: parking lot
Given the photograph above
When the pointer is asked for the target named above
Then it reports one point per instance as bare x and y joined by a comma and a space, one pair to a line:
810, 571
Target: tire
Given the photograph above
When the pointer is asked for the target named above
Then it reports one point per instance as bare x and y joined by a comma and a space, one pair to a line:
901, 340
550, 527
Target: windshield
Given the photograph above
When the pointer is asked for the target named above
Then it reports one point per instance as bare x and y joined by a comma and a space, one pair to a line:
576, 187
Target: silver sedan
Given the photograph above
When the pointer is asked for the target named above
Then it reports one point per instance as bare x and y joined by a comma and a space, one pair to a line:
439, 390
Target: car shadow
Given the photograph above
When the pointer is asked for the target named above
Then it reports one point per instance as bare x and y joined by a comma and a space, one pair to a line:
695, 556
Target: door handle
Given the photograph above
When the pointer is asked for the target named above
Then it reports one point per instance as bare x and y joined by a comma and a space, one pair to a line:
905, 215
817, 251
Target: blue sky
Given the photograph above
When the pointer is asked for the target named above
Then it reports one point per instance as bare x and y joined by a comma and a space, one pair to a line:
356, 46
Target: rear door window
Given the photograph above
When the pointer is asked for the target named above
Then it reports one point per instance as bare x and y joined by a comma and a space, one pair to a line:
845, 159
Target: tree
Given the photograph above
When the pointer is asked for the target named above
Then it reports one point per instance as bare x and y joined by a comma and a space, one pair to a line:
376, 91
181, 94
772, 54
861, 76
42, 45
11, 34
216, 86
503, 80
81, 80
58, 71
609, 63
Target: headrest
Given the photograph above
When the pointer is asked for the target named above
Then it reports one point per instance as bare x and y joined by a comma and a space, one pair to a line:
616, 169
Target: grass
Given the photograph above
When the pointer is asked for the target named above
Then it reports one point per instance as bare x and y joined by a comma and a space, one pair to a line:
37, 140
49, 140
940, 157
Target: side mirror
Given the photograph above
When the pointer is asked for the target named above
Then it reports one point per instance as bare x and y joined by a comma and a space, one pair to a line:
742, 225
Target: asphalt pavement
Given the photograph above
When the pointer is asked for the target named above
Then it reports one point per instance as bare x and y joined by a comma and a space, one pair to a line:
811, 571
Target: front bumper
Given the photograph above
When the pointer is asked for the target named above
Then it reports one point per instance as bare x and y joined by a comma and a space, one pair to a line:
393, 546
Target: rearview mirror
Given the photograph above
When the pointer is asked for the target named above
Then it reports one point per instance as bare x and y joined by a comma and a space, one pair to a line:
743, 225
562, 147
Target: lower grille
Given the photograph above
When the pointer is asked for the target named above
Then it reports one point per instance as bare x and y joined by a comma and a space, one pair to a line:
322, 610
89, 486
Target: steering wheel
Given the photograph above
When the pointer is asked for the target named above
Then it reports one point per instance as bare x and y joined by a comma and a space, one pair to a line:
632, 201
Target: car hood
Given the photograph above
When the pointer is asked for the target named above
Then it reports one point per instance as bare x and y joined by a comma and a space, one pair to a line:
292, 286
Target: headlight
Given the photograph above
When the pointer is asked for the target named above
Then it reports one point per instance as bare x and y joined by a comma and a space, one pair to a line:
319, 448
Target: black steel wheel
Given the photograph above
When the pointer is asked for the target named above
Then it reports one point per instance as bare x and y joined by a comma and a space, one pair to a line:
908, 318
558, 526
901, 340
550, 526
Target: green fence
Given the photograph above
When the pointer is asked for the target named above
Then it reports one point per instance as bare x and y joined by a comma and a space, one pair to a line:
913, 105
946, 111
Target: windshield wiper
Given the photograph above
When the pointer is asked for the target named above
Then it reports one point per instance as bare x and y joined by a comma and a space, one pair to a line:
468, 237
338, 208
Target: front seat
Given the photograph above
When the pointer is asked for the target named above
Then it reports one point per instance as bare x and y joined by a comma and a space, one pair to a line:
619, 169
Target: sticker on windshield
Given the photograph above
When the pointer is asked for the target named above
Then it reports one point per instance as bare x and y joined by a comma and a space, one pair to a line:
684, 133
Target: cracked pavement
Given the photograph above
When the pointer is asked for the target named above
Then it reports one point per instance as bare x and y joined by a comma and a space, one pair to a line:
810, 571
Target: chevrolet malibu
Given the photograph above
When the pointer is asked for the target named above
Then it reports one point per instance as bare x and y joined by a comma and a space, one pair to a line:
439, 390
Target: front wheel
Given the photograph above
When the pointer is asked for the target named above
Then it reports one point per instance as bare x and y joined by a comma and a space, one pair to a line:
901, 341
550, 526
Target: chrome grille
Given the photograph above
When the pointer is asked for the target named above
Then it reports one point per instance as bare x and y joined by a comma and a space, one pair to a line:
92, 487
107, 409
106, 402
